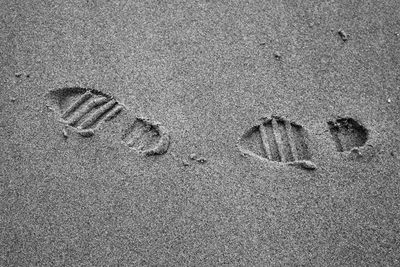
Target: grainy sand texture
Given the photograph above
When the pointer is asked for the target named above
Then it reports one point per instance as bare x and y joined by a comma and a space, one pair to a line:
199, 133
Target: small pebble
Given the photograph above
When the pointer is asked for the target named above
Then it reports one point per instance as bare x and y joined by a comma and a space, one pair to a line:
195, 157
202, 160
13, 99
343, 35
389, 100
277, 56
49, 107
18, 74
65, 133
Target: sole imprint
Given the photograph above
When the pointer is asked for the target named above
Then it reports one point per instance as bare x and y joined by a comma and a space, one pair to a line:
86, 109
277, 140
347, 134
146, 137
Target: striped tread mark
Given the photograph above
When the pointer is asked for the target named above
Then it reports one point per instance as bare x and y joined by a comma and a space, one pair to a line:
84, 109
292, 143
97, 114
113, 112
80, 113
264, 138
77, 104
278, 140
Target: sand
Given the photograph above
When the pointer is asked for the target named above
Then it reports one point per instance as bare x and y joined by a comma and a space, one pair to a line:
207, 72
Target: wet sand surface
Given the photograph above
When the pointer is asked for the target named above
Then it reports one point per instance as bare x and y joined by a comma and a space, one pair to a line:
207, 71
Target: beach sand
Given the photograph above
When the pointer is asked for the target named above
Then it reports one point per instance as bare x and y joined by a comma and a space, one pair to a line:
208, 72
